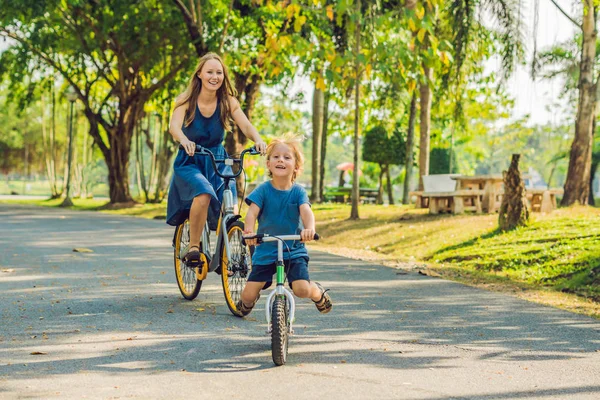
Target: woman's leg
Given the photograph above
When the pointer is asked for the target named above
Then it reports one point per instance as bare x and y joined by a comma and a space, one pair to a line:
198, 214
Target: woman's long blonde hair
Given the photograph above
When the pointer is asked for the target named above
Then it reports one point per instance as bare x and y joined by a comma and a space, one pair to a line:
190, 96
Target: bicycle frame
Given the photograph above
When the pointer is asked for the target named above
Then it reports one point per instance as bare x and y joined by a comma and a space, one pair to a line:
279, 290
227, 209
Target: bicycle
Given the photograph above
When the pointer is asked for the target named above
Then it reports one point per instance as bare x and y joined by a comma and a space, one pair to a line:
226, 255
280, 307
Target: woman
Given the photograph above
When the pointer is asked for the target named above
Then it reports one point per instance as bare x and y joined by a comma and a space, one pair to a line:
201, 116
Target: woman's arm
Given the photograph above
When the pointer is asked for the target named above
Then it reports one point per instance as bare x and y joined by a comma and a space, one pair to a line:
308, 220
175, 130
245, 125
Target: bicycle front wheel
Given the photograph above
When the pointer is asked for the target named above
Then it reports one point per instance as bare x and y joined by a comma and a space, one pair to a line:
236, 268
187, 280
279, 330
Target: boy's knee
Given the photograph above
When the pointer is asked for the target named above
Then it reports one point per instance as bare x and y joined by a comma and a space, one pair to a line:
301, 289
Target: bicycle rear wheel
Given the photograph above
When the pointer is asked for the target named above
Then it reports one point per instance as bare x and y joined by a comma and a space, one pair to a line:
279, 330
187, 280
235, 271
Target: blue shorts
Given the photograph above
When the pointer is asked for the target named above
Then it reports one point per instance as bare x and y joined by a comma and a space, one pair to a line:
296, 269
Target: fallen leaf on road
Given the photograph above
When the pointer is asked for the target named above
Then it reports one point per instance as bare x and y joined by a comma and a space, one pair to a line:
82, 250
170, 312
200, 309
343, 361
37, 353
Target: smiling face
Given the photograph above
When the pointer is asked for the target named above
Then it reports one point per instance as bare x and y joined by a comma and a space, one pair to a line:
281, 162
211, 75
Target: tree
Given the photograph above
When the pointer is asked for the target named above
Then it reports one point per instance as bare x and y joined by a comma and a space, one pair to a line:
107, 51
317, 138
578, 177
410, 140
562, 60
384, 149
513, 211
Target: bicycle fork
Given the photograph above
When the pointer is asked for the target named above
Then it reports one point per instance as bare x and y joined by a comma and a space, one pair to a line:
280, 290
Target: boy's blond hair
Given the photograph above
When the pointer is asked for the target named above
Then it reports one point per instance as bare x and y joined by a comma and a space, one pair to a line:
293, 142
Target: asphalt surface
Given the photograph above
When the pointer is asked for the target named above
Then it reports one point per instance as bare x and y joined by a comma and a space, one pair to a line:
111, 324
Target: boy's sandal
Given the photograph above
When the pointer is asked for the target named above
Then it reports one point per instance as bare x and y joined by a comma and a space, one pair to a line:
192, 257
244, 309
324, 304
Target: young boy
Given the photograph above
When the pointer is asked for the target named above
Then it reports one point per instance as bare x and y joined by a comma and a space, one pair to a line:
282, 208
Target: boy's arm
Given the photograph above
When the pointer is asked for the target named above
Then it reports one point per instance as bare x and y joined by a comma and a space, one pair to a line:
308, 220
250, 222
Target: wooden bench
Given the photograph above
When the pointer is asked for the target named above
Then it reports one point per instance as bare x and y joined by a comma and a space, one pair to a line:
439, 183
344, 194
420, 201
541, 199
454, 201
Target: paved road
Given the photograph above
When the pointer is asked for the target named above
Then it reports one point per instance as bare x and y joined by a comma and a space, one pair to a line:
112, 325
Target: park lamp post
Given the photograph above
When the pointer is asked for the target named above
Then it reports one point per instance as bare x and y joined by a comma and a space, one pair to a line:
71, 96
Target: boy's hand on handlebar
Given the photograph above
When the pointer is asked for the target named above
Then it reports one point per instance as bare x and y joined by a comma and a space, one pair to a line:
307, 235
189, 146
260, 146
250, 242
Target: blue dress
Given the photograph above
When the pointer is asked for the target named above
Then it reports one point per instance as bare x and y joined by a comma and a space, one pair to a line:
193, 176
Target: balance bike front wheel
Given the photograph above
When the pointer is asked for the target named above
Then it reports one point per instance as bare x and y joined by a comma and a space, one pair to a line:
280, 330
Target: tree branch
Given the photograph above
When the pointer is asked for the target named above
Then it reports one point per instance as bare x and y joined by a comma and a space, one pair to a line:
192, 27
226, 27
167, 77
566, 15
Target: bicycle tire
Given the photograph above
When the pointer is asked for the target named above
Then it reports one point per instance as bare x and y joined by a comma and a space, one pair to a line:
234, 272
279, 330
187, 279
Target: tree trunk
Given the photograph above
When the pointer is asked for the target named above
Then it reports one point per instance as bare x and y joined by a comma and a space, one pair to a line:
513, 211
390, 189
355, 191
593, 169
118, 171
317, 138
324, 145
247, 86
425, 122
410, 145
578, 176
380, 189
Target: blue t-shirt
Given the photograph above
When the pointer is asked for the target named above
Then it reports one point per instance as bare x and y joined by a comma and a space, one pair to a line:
279, 215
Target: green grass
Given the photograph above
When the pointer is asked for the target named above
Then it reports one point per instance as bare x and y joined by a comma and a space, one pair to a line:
40, 188
561, 251
150, 211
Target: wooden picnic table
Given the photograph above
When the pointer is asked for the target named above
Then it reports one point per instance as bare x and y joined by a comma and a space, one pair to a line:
343, 194
490, 184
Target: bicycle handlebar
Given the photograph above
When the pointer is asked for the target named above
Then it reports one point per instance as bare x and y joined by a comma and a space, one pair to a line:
265, 237
227, 161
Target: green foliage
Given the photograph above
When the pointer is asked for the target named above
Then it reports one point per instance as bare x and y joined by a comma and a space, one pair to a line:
439, 161
381, 148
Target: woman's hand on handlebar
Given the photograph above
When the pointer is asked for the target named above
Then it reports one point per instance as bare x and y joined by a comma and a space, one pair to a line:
307, 235
188, 146
260, 146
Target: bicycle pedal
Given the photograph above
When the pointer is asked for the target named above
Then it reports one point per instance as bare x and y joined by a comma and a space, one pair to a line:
202, 269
